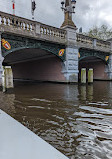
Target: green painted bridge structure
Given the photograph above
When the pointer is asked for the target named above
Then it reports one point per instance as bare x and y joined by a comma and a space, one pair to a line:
56, 54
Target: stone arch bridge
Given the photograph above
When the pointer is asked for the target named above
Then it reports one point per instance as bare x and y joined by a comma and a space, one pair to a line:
36, 51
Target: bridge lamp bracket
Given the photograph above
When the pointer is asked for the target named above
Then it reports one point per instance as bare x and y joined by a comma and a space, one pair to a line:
69, 8
73, 2
63, 4
33, 5
33, 8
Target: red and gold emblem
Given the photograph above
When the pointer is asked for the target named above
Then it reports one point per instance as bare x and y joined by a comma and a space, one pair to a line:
79, 55
5, 44
61, 52
106, 58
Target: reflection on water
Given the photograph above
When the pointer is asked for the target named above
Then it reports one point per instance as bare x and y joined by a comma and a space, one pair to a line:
77, 120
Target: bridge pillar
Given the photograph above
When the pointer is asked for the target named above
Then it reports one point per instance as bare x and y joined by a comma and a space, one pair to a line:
71, 63
110, 68
7, 78
1, 60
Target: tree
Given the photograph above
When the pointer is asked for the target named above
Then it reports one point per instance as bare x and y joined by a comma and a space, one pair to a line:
102, 32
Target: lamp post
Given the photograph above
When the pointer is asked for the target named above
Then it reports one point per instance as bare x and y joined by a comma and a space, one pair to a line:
68, 6
33, 4
13, 6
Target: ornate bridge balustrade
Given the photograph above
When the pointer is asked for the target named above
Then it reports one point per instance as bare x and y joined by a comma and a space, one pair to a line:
103, 45
22, 34
21, 26
25, 27
84, 41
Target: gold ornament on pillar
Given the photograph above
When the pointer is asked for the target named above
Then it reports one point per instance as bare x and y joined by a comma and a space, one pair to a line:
68, 6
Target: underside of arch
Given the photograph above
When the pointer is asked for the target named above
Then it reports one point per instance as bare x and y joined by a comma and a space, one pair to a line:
27, 54
99, 66
35, 65
88, 53
19, 44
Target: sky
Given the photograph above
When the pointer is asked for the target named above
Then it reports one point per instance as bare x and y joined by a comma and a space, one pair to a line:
89, 13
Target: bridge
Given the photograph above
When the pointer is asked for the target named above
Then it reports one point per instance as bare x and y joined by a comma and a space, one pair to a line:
36, 51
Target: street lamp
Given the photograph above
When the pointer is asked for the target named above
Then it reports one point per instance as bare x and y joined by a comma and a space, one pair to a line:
62, 3
13, 6
73, 5
33, 7
68, 5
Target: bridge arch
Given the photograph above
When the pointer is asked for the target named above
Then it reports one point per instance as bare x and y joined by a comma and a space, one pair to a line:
52, 51
99, 65
94, 56
19, 43
84, 53
35, 63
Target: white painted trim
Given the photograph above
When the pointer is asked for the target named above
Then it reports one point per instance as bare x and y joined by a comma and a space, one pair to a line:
18, 142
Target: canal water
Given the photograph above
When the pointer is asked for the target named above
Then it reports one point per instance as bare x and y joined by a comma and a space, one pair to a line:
75, 119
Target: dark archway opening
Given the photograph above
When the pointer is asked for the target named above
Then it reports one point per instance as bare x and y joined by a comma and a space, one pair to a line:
35, 65
99, 67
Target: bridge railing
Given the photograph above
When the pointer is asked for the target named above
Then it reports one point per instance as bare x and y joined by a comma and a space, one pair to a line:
52, 31
103, 44
89, 42
18, 25
17, 22
84, 39
25, 27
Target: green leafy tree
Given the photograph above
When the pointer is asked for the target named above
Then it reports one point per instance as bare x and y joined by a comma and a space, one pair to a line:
102, 32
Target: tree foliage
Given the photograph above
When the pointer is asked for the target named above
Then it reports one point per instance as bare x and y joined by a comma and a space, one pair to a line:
102, 32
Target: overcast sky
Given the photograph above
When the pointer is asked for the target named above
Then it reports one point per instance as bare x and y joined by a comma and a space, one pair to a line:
88, 12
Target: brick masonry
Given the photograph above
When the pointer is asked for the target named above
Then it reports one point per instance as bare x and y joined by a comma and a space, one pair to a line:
49, 69
99, 69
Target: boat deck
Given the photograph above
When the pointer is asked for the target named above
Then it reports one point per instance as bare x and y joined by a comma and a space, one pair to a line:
18, 142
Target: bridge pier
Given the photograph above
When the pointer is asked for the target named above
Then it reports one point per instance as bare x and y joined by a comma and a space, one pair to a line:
71, 63
110, 68
1, 60
7, 78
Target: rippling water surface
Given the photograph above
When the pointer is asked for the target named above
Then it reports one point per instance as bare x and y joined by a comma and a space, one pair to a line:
77, 120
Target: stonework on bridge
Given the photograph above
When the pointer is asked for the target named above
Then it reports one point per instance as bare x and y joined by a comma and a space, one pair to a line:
84, 53
20, 43
29, 41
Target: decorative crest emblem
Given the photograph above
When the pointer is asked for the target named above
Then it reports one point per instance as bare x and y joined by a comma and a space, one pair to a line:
79, 55
106, 58
5, 44
61, 52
